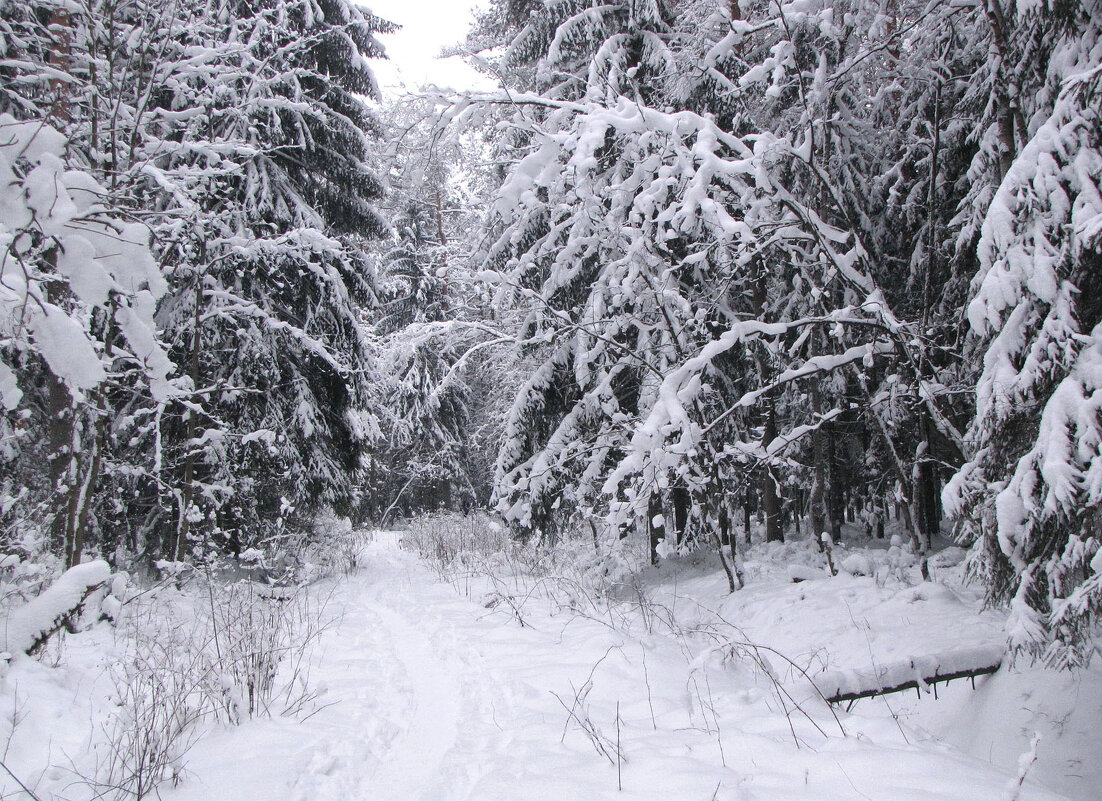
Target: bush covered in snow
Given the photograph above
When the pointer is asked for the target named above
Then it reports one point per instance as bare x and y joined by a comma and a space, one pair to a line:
211, 651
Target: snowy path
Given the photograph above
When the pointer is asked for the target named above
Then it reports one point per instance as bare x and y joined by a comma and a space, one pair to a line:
417, 756
388, 669
434, 698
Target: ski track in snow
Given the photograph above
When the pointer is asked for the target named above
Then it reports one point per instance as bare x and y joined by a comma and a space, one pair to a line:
415, 759
407, 680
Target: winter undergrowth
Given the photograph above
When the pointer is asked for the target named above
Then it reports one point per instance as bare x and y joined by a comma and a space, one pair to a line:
614, 583
196, 653
481, 560
192, 651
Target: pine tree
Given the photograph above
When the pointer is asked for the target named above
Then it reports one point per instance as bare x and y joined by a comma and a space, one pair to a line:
1030, 495
431, 331
273, 192
238, 133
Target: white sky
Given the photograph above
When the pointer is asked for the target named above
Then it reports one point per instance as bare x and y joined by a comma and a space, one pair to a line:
428, 26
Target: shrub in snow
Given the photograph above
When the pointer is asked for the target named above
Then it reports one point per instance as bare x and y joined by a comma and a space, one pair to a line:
575, 572
213, 651
255, 631
111, 606
856, 565
948, 557
333, 549
447, 538
160, 702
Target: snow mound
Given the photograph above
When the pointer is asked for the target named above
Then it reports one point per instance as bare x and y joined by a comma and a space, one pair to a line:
857, 565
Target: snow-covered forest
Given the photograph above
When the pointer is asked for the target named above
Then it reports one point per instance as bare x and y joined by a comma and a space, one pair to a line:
642, 427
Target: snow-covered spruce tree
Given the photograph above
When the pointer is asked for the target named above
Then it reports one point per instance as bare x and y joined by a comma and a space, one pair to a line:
829, 83
559, 248
237, 131
1031, 495
260, 158
868, 105
921, 124
57, 59
583, 244
430, 331
419, 458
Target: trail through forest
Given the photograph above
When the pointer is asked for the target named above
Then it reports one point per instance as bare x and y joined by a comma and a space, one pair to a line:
434, 696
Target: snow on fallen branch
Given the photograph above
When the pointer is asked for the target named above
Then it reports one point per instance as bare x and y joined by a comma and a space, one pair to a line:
914, 673
30, 626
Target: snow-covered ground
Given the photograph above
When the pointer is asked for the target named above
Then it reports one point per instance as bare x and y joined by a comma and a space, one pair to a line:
434, 694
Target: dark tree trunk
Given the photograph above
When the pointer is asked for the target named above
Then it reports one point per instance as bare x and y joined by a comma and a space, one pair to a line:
747, 512
927, 496
770, 500
682, 504
178, 540
657, 531
60, 434
818, 487
724, 522
836, 500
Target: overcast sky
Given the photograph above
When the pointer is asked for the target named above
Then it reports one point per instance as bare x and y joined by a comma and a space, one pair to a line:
427, 27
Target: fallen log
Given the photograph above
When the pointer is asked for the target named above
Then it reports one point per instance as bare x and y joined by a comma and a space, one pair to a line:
29, 627
919, 673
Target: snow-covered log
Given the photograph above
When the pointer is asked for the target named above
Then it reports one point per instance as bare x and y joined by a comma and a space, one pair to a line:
29, 627
914, 673
798, 573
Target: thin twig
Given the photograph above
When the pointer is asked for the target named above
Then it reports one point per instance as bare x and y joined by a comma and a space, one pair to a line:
26, 789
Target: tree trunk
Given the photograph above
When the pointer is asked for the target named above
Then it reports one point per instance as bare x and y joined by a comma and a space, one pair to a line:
62, 461
734, 578
747, 512
724, 523
183, 524
836, 503
61, 30
818, 511
927, 494
657, 530
717, 524
443, 241
682, 505
60, 437
771, 502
